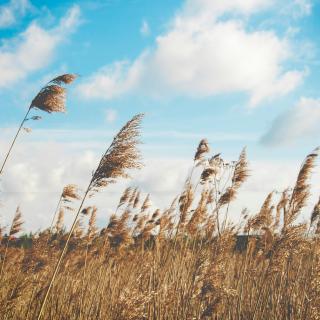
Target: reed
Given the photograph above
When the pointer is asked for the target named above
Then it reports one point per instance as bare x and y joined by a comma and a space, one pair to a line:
183, 261
121, 156
51, 98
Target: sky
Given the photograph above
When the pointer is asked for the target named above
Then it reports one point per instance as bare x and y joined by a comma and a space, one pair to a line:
237, 72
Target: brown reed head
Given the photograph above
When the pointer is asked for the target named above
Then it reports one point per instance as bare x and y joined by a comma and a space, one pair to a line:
51, 98
70, 191
185, 202
125, 196
241, 172
86, 211
59, 223
264, 218
315, 213
121, 156
239, 176
17, 223
64, 79
133, 196
202, 149
136, 200
92, 228
301, 191
146, 203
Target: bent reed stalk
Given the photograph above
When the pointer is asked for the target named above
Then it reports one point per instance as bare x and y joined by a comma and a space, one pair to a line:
50, 98
121, 156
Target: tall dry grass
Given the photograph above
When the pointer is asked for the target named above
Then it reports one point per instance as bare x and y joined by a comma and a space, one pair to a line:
188, 261
185, 262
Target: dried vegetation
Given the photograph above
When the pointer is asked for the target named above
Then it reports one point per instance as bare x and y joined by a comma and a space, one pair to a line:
186, 261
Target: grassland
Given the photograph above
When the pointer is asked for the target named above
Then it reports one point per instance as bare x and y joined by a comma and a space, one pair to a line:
188, 261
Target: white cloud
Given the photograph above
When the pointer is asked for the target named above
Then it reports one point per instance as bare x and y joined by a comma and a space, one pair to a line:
111, 115
71, 20
202, 55
12, 11
304, 7
145, 29
111, 81
34, 48
38, 170
296, 124
217, 8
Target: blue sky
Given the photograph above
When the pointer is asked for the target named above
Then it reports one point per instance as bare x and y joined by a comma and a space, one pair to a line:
241, 73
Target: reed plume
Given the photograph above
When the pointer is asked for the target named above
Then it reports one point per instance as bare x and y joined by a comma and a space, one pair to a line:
185, 202
124, 197
136, 200
51, 98
199, 214
70, 192
315, 212
301, 189
133, 197
92, 228
264, 218
121, 156
240, 174
59, 222
202, 149
146, 203
17, 223
282, 206
16, 227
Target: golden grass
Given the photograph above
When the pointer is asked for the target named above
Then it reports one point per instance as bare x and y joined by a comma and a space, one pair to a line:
184, 262
174, 264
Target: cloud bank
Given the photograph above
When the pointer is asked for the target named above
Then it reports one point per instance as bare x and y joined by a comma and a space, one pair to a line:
207, 50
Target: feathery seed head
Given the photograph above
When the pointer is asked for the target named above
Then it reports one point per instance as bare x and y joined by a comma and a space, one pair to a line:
203, 148
59, 223
122, 155
125, 196
146, 203
70, 191
17, 223
51, 98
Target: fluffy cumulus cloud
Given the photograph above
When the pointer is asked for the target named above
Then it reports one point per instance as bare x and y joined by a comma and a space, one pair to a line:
34, 48
295, 124
12, 11
203, 55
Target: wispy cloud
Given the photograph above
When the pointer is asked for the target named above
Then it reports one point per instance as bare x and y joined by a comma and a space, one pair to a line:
100, 135
11, 12
111, 115
145, 29
303, 8
295, 124
34, 48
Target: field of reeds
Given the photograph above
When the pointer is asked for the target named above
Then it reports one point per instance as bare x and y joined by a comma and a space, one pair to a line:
189, 261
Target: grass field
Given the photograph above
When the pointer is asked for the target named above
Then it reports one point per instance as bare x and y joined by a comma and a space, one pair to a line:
185, 262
